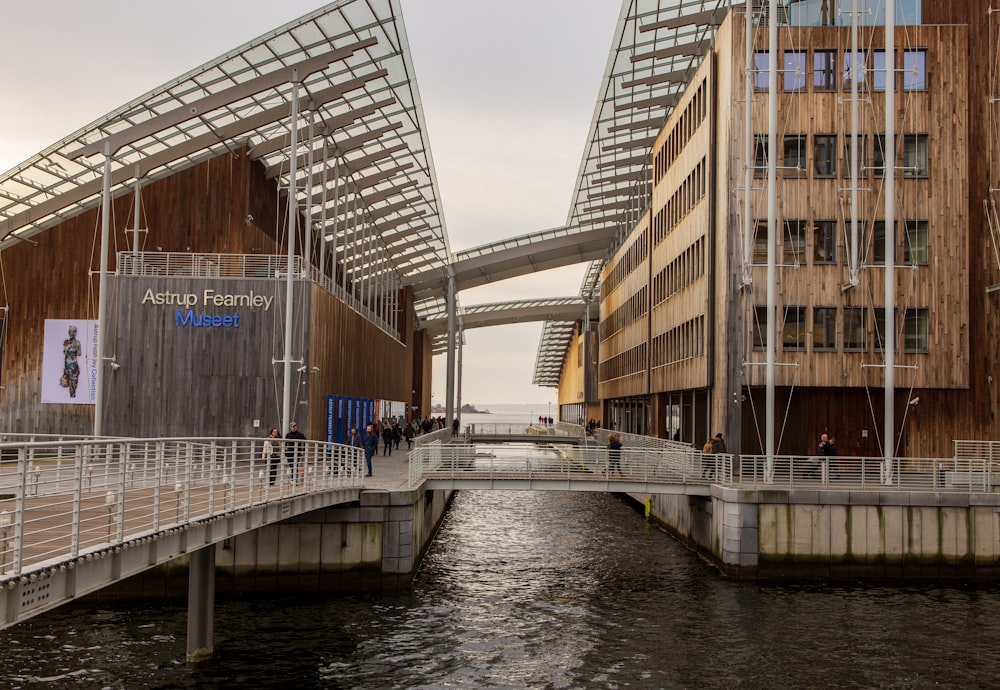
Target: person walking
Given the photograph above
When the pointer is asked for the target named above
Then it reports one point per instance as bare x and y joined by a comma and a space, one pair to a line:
707, 461
614, 454
293, 450
386, 439
371, 446
271, 455
409, 433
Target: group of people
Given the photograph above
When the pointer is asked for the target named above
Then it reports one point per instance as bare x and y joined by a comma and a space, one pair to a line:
391, 432
293, 451
713, 446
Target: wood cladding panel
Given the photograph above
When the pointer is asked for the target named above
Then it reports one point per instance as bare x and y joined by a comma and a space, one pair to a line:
176, 382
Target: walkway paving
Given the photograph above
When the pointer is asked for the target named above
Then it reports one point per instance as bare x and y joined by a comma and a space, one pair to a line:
390, 472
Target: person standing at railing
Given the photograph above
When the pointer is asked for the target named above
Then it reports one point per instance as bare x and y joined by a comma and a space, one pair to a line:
355, 441
293, 449
371, 446
270, 454
707, 461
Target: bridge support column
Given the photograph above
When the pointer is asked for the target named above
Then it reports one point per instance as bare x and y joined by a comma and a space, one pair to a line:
201, 605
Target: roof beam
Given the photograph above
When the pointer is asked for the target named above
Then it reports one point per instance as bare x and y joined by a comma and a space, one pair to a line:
220, 99
706, 17
652, 123
686, 49
321, 97
356, 164
677, 76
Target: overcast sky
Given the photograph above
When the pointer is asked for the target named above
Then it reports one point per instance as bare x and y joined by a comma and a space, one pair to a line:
508, 90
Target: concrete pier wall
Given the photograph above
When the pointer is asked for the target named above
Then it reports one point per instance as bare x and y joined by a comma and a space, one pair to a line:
372, 545
369, 545
839, 535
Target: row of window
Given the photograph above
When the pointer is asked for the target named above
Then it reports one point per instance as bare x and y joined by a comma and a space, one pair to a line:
632, 361
634, 308
681, 272
694, 114
816, 242
688, 194
855, 333
795, 155
682, 342
629, 261
828, 70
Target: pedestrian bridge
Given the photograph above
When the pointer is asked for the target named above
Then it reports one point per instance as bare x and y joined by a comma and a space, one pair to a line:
79, 514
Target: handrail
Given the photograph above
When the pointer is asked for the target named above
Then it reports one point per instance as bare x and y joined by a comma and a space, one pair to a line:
63, 498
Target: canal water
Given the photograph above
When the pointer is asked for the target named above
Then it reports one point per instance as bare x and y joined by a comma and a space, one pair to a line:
536, 590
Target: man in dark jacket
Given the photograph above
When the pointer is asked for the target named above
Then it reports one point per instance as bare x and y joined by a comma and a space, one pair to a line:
294, 450
371, 447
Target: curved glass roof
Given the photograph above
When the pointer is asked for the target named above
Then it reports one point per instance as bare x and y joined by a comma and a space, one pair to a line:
356, 89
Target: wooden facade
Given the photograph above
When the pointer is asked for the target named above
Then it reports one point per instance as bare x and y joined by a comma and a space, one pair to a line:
177, 380
704, 338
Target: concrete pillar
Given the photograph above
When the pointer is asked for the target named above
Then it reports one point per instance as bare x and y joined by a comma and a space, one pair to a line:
201, 605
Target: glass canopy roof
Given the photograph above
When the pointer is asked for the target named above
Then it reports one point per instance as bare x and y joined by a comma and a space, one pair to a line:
358, 90
657, 47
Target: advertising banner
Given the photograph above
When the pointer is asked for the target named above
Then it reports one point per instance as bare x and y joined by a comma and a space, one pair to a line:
69, 361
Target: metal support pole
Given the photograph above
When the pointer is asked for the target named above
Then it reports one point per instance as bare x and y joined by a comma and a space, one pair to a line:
135, 221
772, 231
449, 405
855, 72
102, 293
201, 605
458, 371
322, 220
307, 230
889, 433
748, 147
286, 393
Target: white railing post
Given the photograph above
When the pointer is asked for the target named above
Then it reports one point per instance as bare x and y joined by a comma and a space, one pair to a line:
187, 480
74, 548
22, 468
157, 482
123, 454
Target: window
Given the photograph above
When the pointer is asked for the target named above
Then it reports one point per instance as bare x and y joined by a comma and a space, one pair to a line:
794, 154
878, 157
854, 68
824, 328
878, 70
878, 245
793, 332
880, 332
915, 330
824, 241
915, 242
759, 155
794, 70
759, 327
855, 335
760, 242
825, 155
915, 70
760, 73
862, 156
914, 155
824, 70
795, 242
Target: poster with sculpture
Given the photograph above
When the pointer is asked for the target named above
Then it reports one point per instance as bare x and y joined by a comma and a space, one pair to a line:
69, 361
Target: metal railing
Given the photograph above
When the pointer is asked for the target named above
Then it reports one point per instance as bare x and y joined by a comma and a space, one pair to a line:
595, 464
974, 475
61, 499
